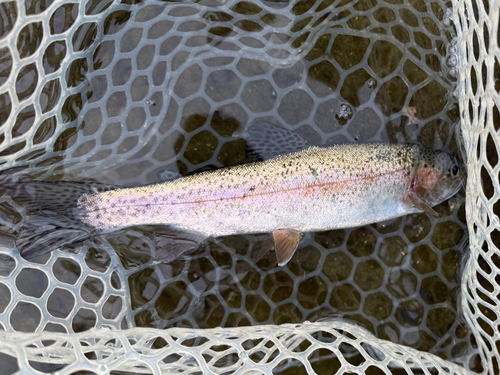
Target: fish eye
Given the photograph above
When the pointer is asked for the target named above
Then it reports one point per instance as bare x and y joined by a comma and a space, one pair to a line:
454, 170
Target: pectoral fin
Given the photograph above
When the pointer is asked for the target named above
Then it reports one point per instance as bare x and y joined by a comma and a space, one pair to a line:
412, 198
285, 243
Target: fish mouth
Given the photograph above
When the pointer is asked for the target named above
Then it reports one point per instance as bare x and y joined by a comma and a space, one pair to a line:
445, 192
456, 188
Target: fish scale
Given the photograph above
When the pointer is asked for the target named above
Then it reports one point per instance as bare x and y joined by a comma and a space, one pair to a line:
310, 189
319, 188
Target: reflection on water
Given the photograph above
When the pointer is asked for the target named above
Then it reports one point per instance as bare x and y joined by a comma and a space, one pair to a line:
152, 91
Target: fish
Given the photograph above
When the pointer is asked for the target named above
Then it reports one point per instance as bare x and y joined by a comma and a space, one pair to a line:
310, 188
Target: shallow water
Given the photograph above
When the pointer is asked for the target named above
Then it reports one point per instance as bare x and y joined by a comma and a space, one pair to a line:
151, 89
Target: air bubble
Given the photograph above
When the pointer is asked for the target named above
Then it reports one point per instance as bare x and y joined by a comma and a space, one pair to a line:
345, 112
452, 60
447, 17
168, 175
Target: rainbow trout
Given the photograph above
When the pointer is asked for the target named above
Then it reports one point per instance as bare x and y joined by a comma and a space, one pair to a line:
312, 189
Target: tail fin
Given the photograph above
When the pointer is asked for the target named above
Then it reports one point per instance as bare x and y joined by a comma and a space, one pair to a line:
54, 220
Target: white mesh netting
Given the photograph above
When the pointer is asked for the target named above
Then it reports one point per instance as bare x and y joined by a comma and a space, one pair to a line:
128, 92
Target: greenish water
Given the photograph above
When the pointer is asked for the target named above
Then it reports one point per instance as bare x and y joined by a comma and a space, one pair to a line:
136, 112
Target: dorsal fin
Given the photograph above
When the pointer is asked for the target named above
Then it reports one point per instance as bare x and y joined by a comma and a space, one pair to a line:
265, 140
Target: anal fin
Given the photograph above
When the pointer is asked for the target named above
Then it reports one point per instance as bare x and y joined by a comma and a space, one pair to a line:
171, 242
285, 243
265, 247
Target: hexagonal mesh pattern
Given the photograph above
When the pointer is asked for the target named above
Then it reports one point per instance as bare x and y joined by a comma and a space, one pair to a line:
134, 92
480, 104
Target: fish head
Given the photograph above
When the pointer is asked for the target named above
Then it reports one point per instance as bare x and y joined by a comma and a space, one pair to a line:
436, 176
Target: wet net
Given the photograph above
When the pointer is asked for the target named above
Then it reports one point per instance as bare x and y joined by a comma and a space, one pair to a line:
136, 92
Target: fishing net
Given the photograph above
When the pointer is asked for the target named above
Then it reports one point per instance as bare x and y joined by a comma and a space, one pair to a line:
136, 92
